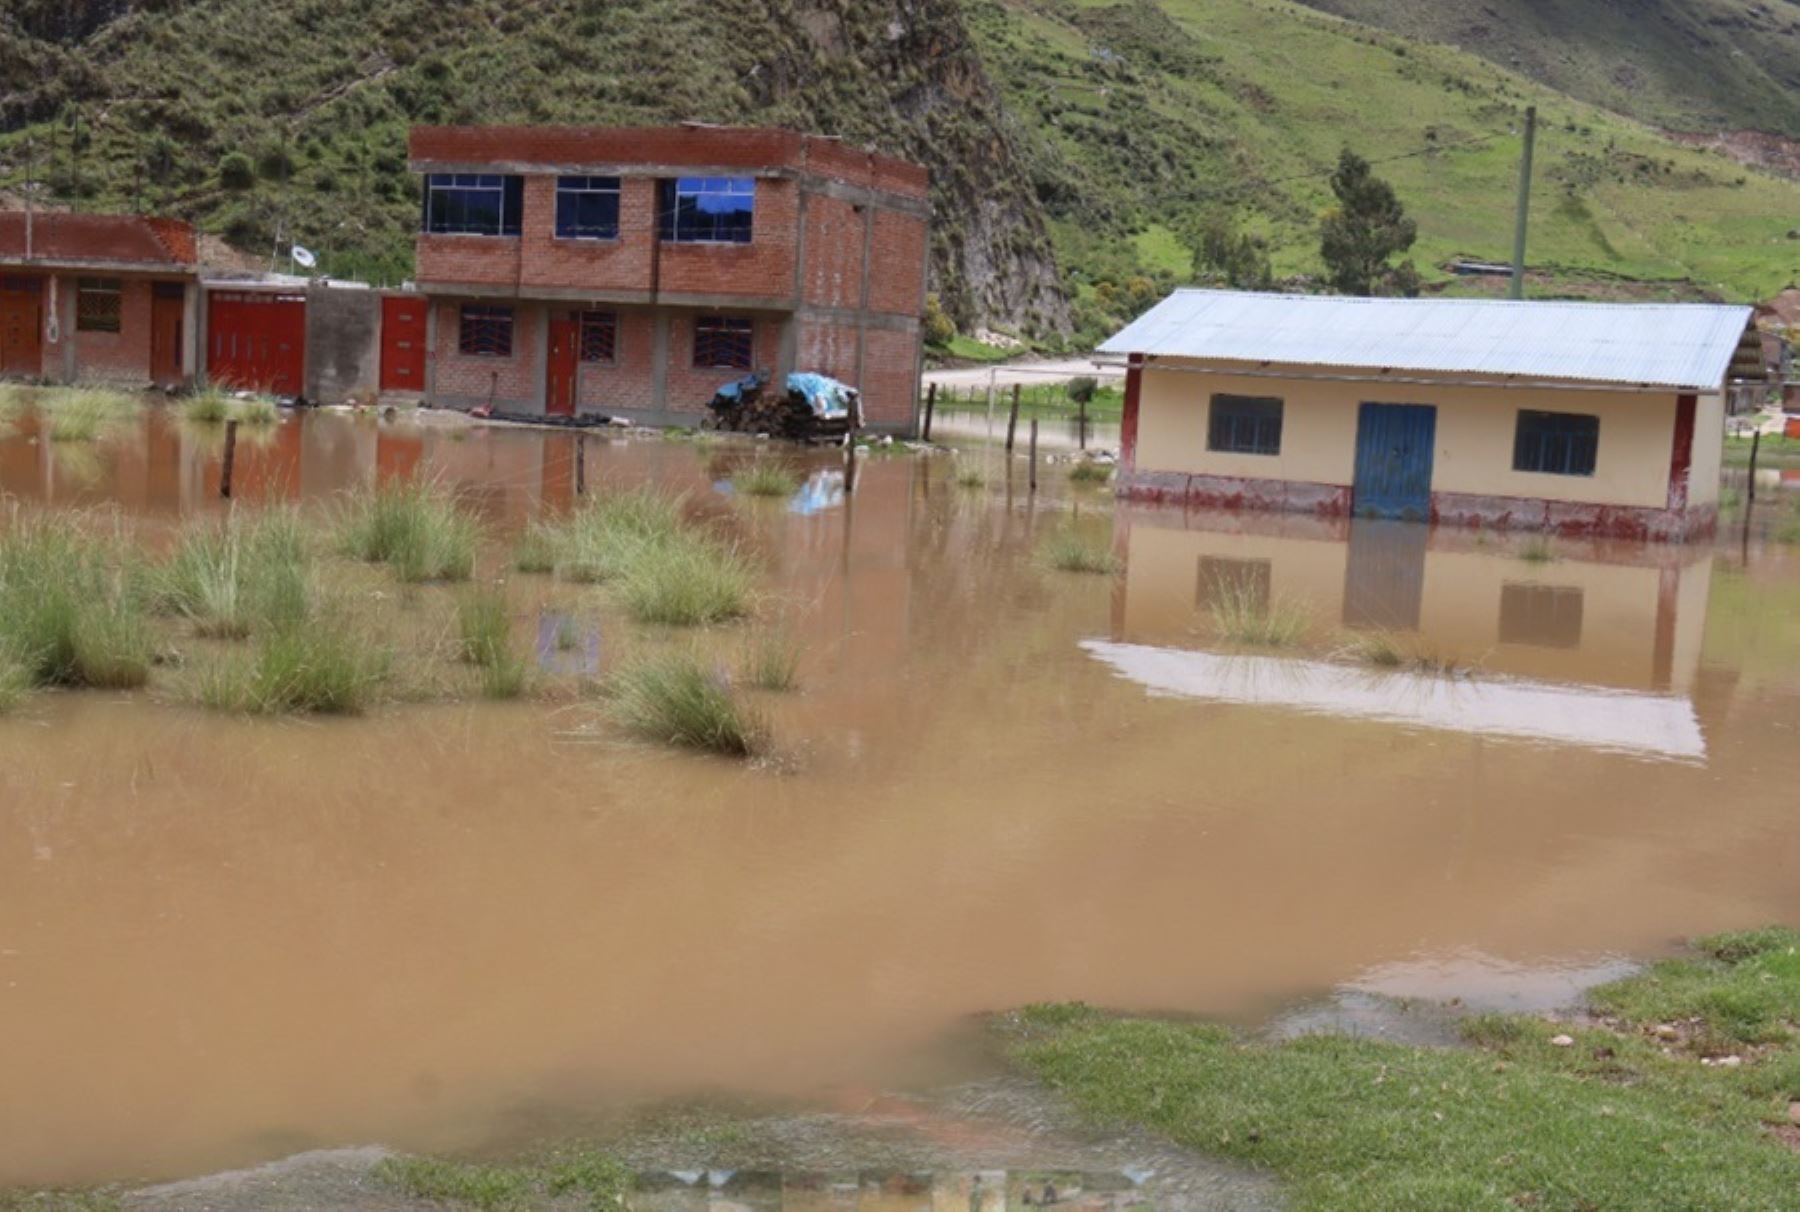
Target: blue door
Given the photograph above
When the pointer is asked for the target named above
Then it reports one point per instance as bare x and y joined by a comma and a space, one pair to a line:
1394, 445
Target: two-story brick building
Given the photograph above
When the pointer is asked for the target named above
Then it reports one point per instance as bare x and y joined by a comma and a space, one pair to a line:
97, 297
632, 271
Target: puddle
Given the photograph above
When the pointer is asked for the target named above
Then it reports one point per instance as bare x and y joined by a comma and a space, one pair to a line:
224, 941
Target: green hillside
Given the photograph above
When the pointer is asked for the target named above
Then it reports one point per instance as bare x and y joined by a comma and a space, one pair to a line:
1699, 65
1079, 148
1144, 120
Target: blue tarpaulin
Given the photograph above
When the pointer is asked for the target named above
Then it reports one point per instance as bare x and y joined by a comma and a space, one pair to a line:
829, 399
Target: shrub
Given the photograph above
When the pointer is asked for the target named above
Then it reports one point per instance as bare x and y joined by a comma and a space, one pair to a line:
675, 700
1067, 551
763, 479
236, 171
686, 582
940, 329
419, 531
1081, 389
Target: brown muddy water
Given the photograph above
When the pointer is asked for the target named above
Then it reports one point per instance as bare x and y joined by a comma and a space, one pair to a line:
224, 940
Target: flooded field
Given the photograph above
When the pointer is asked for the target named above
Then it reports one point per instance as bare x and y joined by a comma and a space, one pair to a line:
440, 926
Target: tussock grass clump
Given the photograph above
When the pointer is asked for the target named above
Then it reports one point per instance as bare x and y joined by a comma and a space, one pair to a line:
1377, 648
1240, 614
319, 666
72, 608
536, 549
257, 410
772, 662
970, 477
228, 580
208, 407
600, 541
1537, 550
484, 634
1067, 551
15, 681
686, 582
82, 414
1090, 471
765, 479
676, 700
415, 528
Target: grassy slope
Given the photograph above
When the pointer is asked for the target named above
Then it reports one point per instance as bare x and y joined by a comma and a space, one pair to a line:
1619, 1119
1685, 64
1148, 114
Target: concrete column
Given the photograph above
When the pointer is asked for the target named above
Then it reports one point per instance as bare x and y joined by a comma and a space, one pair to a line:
659, 363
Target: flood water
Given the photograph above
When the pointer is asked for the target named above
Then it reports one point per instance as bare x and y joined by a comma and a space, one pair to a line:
225, 940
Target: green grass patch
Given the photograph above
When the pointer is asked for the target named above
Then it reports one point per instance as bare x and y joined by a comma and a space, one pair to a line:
536, 549
416, 528
1242, 614
686, 582
772, 662
244, 573
1090, 471
597, 1180
484, 639
765, 479
1066, 551
677, 700
320, 666
1609, 1121
84, 414
607, 535
73, 607
207, 407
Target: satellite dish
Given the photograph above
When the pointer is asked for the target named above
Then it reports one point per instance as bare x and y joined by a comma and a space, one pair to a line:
303, 256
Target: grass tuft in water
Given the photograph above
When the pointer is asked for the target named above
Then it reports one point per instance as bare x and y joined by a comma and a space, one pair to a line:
765, 479
686, 582
536, 549
1066, 551
969, 476
230, 579
1537, 550
484, 632
72, 607
772, 662
678, 701
1090, 471
1241, 614
15, 680
207, 407
318, 666
602, 539
415, 528
83, 414
257, 410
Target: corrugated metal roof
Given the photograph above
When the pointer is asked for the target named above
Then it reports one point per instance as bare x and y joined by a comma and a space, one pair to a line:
1683, 345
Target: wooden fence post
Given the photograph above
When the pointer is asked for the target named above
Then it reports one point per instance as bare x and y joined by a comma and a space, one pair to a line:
1750, 494
1012, 419
1034, 453
930, 406
580, 464
229, 460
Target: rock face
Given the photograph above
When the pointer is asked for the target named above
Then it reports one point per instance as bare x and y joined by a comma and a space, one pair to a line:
334, 83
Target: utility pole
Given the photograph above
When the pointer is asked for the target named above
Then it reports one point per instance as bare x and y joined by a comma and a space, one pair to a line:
1518, 262
30, 189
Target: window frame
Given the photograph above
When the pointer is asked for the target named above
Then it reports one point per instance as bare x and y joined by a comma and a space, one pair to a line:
725, 328
509, 204
568, 190
493, 315
1560, 443
678, 227
111, 318
597, 321
1244, 432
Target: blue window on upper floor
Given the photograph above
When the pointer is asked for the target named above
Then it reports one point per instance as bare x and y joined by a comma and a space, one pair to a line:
473, 204
707, 210
1556, 443
587, 208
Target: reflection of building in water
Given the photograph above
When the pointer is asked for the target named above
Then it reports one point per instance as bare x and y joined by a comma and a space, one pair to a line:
1542, 636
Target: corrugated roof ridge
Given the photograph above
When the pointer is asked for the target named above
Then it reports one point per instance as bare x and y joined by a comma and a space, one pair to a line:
1446, 300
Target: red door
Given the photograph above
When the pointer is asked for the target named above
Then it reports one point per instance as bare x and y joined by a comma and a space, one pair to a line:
21, 326
257, 342
168, 307
565, 338
403, 344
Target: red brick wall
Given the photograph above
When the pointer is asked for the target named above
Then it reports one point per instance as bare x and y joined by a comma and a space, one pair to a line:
490, 260
474, 378
897, 264
890, 376
833, 249
828, 349
629, 382
764, 267
599, 265
122, 356
689, 387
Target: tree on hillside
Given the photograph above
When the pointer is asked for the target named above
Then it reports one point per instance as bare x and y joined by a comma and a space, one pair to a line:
1223, 254
1364, 232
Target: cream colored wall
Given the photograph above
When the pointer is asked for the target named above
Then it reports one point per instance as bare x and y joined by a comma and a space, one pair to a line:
1162, 575
1475, 428
1709, 450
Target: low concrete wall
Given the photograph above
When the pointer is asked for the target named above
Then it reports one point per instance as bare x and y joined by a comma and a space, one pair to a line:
343, 343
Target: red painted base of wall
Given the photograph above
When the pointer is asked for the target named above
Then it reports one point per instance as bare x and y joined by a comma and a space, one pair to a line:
1568, 519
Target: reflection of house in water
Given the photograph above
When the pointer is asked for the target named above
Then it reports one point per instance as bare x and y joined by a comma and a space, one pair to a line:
1564, 650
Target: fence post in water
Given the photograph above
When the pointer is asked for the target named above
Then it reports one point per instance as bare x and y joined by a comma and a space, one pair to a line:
229, 460
1082, 424
930, 404
1750, 488
1012, 419
1034, 454
580, 464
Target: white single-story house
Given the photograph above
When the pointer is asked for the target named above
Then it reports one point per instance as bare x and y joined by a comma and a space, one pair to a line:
1602, 419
